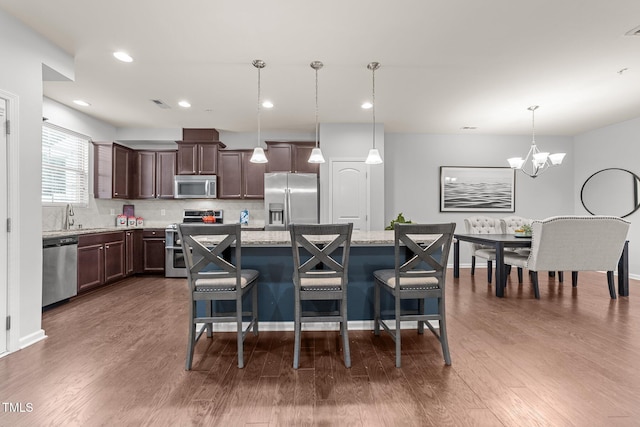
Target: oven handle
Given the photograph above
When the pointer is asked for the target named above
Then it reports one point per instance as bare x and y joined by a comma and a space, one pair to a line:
174, 248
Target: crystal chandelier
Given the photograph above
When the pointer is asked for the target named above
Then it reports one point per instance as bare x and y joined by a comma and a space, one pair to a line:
374, 155
258, 155
316, 154
535, 162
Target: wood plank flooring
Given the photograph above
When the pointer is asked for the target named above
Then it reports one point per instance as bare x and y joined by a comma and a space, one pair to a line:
115, 357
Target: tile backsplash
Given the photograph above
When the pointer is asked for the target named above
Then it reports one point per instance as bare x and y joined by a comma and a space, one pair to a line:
156, 213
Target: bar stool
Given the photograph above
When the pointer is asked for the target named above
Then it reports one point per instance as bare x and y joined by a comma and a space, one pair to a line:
419, 274
319, 275
212, 278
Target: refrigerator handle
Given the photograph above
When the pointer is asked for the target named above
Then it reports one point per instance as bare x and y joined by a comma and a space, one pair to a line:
287, 207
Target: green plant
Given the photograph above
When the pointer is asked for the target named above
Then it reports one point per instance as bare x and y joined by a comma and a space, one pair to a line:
526, 228
399, 220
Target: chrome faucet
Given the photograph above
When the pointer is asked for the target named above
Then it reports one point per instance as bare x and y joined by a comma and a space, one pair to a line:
68, 213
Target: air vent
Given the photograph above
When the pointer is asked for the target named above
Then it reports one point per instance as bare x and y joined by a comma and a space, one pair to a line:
160, 103
634, 32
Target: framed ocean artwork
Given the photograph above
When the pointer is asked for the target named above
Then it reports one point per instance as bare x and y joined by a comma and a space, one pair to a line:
477, 189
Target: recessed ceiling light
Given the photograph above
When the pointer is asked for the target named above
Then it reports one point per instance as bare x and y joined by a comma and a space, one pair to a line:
366, 105
267, 104
81, 102
123, 56
184, 104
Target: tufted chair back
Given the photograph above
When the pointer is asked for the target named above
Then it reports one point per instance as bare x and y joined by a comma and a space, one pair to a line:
480, 224
510, 224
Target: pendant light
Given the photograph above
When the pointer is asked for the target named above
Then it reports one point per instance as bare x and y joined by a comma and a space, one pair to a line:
374, 155
316, 154
535, 162
258, 155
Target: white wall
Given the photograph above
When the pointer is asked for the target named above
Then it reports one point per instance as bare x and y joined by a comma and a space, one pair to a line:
614, 146
23, 52
412, 184
353, 141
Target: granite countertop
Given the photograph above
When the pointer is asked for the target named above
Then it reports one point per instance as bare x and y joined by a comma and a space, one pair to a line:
252, 237
81, 231
282, 238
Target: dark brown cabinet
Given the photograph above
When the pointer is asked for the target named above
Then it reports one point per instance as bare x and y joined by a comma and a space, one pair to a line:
101, 259
197, 158
153, 251
133, 252
113, 165
239, 178
290, 157
253, 177
154, 171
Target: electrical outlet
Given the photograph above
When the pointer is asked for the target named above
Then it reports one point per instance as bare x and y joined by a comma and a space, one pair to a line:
163, 212
112, 212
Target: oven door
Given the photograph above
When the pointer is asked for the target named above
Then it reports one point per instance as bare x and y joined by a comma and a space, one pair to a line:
175, 265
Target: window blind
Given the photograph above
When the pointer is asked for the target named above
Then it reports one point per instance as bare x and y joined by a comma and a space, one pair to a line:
65, 166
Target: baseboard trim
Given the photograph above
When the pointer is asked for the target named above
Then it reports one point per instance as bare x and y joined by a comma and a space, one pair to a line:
31, 339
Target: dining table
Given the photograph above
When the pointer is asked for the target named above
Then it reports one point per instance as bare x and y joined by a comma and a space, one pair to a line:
502, 241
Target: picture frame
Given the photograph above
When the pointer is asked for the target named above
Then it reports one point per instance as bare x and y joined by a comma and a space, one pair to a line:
477, 189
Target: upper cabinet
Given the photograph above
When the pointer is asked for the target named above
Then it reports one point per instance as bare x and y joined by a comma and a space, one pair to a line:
154, 171
290, 157
113, 166
238, 178
198, 152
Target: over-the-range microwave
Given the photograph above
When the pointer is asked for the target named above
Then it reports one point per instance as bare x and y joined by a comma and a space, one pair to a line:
195, 187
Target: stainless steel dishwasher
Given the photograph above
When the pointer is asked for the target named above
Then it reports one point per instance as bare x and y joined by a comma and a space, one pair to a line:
59, 269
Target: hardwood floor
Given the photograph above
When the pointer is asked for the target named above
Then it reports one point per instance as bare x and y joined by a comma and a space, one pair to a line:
116, 357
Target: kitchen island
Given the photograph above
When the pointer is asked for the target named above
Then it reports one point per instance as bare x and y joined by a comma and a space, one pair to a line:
270, 253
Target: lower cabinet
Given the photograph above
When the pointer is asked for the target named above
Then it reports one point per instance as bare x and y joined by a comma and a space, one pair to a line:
153, 251
101, 259
133, 252
105, 258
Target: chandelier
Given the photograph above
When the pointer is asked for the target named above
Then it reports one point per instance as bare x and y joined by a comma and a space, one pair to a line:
536, 162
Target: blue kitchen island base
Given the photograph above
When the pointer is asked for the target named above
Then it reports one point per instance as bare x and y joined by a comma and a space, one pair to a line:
275, 284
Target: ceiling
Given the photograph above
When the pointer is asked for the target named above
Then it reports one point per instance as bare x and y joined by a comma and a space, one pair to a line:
444, 64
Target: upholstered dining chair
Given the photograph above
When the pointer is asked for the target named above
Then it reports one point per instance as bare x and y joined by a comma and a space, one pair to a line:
421, 253
480, 224
213, 277
509, 225
320, 275
573, 243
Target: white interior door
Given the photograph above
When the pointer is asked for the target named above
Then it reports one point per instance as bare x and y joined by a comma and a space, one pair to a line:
349, 201
4, 214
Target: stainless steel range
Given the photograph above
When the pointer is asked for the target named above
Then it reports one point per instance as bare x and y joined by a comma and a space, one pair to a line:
174, 258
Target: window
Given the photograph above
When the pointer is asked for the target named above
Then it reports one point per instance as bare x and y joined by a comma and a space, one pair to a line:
65, 166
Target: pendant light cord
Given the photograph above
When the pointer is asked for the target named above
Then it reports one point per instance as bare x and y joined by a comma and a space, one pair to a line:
259, 142
373, 104
316, 107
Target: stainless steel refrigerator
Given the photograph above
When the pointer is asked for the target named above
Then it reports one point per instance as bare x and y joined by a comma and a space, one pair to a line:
290, 198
